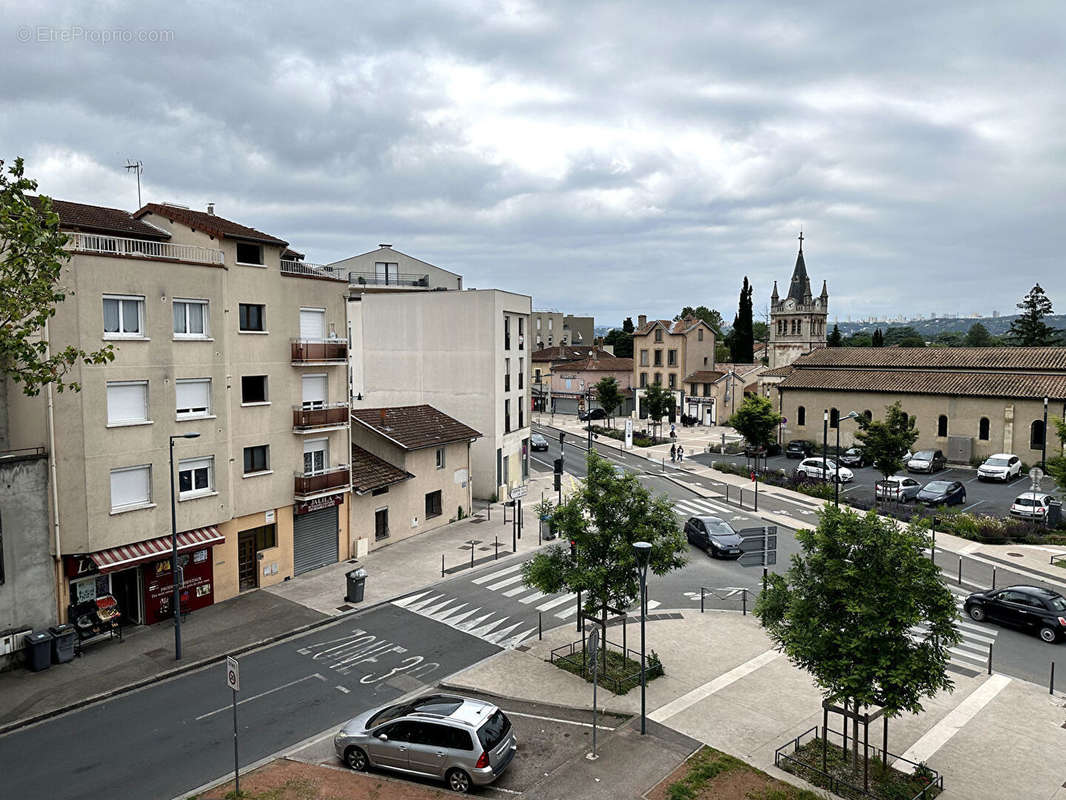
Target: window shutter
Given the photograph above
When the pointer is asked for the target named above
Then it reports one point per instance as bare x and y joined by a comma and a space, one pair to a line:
314, 389
127, 402
312, 324
193, 396
130, 486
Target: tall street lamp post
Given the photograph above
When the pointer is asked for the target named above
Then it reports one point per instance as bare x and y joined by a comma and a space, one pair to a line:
825, 445
836, 484
1043, 447
174, 547
643, 550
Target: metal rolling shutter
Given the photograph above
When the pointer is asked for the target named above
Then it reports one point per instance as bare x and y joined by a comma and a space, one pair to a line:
314, 540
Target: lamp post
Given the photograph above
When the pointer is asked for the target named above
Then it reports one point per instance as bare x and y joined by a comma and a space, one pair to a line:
174, 547
825, 445
643, 551
1043, 446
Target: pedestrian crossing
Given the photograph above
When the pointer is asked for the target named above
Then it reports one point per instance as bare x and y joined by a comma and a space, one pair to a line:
507, 628
703, 507
972, 651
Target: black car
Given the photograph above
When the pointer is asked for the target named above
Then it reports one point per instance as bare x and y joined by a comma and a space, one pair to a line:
596, 413
538, 442
799, 448
1029, 607
853, 457
714, 535
942, 493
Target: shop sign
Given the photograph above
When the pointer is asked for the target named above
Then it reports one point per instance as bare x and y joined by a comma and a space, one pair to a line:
196, 590
318, 504
80, 566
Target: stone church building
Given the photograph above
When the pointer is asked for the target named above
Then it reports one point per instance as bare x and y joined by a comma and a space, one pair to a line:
797, 322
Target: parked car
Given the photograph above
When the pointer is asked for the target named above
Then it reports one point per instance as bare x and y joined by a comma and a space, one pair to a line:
823, 470
897, 487
1000, 467
713, 535
1031, 608
1032, 505
538, 441
799, 448
942, 493
853, 457
926, 461
596, 413
462, 741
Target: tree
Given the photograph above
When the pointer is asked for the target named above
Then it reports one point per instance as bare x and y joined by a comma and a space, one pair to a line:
742, 343
608, 395
1028, 329
627, 325
949, 339
604, 518
846, 608
904, 336
31, 260
622, 342
860, 339
756, 421
878, 339
760, 331
659, 401
722, 353
884, 443
835, 338
978, 336
708, 315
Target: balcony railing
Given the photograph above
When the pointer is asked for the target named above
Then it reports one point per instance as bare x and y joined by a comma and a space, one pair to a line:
306, 351
309, 484
312, 270
142, 248
392, 279
325, 416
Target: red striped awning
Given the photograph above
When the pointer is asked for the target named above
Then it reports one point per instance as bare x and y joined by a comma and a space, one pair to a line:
152, 550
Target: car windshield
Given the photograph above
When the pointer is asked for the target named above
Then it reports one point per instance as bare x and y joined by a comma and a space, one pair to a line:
938, 486
718, 528
923, 455
492, 732
996, 462
434, 704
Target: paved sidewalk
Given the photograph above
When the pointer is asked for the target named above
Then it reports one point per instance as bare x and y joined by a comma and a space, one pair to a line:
725, 686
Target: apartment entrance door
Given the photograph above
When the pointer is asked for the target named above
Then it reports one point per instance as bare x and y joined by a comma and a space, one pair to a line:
247, 566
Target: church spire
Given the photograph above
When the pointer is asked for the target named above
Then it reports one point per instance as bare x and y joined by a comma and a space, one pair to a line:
774, 296
800, 284
825, 291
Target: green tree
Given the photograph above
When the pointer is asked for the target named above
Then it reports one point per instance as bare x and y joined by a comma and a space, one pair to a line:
708, 315
722, 352
846, 608
604, 518
878, 339
949, 339
622, 342
904, 336
31, 260
760, 331
742, 343
978, 336
835, 338
608, 395
859, 339
1028, 329
756, 421
886, 442
627, 325
658, 401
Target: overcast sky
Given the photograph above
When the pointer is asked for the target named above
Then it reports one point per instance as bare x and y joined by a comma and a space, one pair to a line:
608, 158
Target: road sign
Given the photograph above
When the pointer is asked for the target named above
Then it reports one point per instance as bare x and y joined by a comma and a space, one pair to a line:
594, 646
517, 491
233, 674
1036, 475
758, 546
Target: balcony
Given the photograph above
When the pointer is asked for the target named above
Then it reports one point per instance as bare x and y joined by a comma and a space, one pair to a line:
304, 270
392, 279
307, 352
308, 485
95, 244
323, 417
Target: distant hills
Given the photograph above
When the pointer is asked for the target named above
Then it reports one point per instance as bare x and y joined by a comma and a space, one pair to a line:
929, 328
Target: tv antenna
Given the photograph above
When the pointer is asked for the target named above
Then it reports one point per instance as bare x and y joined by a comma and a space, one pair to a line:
138, 167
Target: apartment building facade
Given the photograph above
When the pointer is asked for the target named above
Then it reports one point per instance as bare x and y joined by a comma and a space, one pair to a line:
555, 329
665, 351
212, 339
386, 269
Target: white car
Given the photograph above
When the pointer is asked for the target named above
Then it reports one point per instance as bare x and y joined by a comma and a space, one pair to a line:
1032, 505
823, 470
1000, 467
900, 488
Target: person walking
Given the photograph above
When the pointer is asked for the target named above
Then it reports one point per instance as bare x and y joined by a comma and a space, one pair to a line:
680, 453
673, 452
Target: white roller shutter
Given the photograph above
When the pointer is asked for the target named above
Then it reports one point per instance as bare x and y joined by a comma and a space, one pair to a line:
193, 397
131, 486
127, 402
315, 389
312, 324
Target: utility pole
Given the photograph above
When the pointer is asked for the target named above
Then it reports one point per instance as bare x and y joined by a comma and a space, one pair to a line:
137, 167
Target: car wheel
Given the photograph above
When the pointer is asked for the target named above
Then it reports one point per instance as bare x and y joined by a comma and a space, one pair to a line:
801, 474
458, 781
1048, 634
977, 613
356, 759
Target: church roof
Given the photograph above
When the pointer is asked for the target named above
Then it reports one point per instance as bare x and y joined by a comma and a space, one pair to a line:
801, 284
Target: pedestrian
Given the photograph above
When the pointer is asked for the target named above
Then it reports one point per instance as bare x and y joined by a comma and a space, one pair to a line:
680, 453
673, 452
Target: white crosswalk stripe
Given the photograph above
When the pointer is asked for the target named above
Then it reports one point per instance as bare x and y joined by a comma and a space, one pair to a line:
704, 507
972, 651
494, 575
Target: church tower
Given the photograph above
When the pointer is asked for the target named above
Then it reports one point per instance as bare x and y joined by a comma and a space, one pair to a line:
797, 322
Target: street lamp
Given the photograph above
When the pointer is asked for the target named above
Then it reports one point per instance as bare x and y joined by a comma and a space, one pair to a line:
1043, 446
825, 445
643, 551
836, 485
174, 547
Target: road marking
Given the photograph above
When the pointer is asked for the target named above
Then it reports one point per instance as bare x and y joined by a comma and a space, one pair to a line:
558, 601
554, 719
853, 486
689, 699
937, 736
975, 505
261, 694
532, 598
505, 582
403, 602
343, 689
515, 592
545, 463
653, 604
495, 575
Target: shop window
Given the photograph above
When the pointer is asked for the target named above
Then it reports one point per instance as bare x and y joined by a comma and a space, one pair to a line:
190, 319
982, 429
1, 550
193, 398
127, 402
248, 253
123, 317
439, 460
1036, 435
251, 317
433, 505
195, 476
131, 487
801, 416
942, 426
253, 389
256, 459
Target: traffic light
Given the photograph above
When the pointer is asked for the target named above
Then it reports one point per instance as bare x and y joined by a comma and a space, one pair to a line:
573, 548
558, 482
561, 437
558, 466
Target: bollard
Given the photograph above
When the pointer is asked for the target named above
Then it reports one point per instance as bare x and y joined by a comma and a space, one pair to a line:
960, 570
990, 658
442, 565
727, 492
664, 464
993, 577
497, 544
744, 601
701, 599
471, 555
488, 512
742, 497
1051, 685
540, 625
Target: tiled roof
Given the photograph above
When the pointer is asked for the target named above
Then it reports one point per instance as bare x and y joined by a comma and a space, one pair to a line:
704, 376
902, 381
370, 472
211, 224
1015, 358
567, 353
777, 372
100, 219
672, 326
603, 363
414, 427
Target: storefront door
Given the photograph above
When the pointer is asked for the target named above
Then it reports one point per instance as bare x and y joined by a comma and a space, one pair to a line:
126, 587
247, 565
315, 539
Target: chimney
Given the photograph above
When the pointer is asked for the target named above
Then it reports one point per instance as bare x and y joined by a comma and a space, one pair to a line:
642, 320
211, 209
385, 246
383, 418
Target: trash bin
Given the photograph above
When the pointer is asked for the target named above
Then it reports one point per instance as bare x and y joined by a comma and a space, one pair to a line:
38, 650
1054, 513
552, 533
356, 585
63, 638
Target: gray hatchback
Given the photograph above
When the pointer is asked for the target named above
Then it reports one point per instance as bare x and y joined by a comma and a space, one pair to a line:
465, 742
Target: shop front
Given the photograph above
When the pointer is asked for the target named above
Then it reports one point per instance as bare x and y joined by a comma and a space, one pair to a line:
316, 533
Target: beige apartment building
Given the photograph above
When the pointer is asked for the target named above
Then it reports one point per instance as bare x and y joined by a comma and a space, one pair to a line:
968, 402
215, 339
386, 269
555, 329
664, 352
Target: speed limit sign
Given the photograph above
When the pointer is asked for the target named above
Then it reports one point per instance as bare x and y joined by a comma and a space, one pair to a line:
233, 674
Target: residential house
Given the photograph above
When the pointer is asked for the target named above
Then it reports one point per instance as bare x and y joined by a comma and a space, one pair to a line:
573, 382
386, 269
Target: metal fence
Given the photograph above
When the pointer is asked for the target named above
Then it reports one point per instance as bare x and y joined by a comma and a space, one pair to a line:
728, 598
575, 654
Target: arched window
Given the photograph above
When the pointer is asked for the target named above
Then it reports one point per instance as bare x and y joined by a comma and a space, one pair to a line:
982, 429
869, 415
1036, 434
801, 416
942, 426
834, 418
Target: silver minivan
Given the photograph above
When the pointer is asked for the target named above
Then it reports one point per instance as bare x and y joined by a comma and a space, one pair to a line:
465, 742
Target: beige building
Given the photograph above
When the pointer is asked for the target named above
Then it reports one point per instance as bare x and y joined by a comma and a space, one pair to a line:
213, 338
410, 473
797, 322
664, 352
968, 402
554, 329
386, 269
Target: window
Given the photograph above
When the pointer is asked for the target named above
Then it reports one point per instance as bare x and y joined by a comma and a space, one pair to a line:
506, 333
439, 460
190, 319
379, 492
381, 524
869, 415
195, 476
252, 317
643, 380
266, 536
644, 358
801, 416
193, 398
123, 317
127, 402
521, 413
538, 323
506, 416
658, 379
834, 418
942, 426
315, 390
521, 373
658, 334
658, 358
982, 429
671, 358
673, 380
256, 459
313, 324
521, 333
248, 253
699, 334
316, 456
507, 374
1036, 435
433, 508
706, 390
253, 389
131, 487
